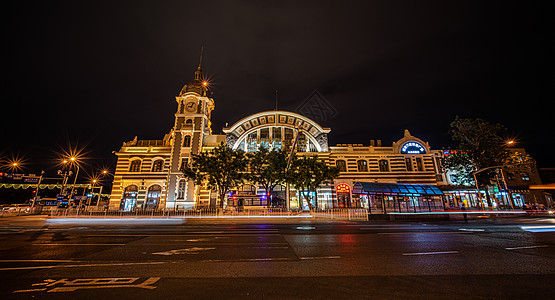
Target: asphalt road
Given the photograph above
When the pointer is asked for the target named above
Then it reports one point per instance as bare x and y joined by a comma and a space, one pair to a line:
278, 259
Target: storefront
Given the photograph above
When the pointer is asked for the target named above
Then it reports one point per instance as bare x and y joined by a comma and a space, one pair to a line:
343, 192
389, 197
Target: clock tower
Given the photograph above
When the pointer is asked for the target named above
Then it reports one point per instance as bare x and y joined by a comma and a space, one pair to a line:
192, 126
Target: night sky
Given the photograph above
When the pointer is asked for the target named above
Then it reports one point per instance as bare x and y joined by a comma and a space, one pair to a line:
93, 74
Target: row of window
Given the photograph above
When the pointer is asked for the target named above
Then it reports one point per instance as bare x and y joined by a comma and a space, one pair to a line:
157, 166
362, 165
383, 165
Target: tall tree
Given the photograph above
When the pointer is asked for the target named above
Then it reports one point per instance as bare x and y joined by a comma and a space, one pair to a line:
307, 173
220, 168
482, 145
481, 140
267, 168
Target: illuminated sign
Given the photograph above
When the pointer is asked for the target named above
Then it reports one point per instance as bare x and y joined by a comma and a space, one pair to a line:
343, 188
454, 153
413, 148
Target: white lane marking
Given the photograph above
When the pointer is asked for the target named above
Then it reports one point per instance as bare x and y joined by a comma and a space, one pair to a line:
194, 250
80, 266
306, 227
432, 253
539, 228
471, 229
526, 247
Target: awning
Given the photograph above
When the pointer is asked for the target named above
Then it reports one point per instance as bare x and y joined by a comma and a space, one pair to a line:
406, 189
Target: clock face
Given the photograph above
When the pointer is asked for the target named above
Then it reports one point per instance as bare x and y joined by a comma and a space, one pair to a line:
190, 106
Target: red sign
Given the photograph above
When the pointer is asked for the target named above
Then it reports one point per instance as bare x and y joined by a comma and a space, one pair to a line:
343, 188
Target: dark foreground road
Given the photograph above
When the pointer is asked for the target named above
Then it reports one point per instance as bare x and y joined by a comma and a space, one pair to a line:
278, 259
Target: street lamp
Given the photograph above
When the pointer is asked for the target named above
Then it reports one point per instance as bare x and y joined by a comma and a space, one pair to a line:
65, 173
73, 161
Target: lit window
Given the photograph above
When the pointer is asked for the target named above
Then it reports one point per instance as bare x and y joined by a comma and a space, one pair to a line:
342, 165
135, 166
181, 189
362, 166
158, 165
408, 163
384, 165
187, 141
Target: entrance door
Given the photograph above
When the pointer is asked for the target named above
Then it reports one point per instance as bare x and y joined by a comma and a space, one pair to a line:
343, 192
153, 197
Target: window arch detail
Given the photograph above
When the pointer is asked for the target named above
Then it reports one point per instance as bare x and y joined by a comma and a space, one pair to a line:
135, 165
158, 165
341, 164
362, 165
383, 165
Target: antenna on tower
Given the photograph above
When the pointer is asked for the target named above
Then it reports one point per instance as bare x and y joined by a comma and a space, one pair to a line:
200, 62
276, 100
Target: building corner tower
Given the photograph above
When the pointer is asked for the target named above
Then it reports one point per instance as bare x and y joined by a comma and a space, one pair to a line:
192, 126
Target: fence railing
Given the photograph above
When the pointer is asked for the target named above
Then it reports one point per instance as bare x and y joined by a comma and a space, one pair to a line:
360, 214
178, 213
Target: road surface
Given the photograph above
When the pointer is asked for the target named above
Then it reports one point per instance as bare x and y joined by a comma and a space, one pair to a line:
506, 258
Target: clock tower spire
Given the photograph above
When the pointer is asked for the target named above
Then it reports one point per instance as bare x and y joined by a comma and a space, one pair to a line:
192, 125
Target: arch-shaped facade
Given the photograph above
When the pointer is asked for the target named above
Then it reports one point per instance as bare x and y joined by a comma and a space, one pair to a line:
411, 145
276, 129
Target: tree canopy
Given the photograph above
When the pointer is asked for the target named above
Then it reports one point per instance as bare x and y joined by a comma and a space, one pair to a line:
307, 173
480, 145
267, 168
220, 168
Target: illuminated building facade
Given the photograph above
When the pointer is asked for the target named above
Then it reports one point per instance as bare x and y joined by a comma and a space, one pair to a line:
148, 172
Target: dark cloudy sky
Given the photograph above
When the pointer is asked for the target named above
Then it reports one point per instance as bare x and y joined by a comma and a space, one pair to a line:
97, 73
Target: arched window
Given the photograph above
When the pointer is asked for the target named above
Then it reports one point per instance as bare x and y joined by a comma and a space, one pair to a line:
384, 165
189, 122
362, 166
153, 196
181, 189
342, 165
187, 141
135, 166
158, 165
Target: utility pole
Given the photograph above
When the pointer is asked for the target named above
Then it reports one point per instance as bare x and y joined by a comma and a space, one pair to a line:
287, 192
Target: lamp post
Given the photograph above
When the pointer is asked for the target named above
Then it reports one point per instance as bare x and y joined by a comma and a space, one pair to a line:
103, 173
65, 174
76, 175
